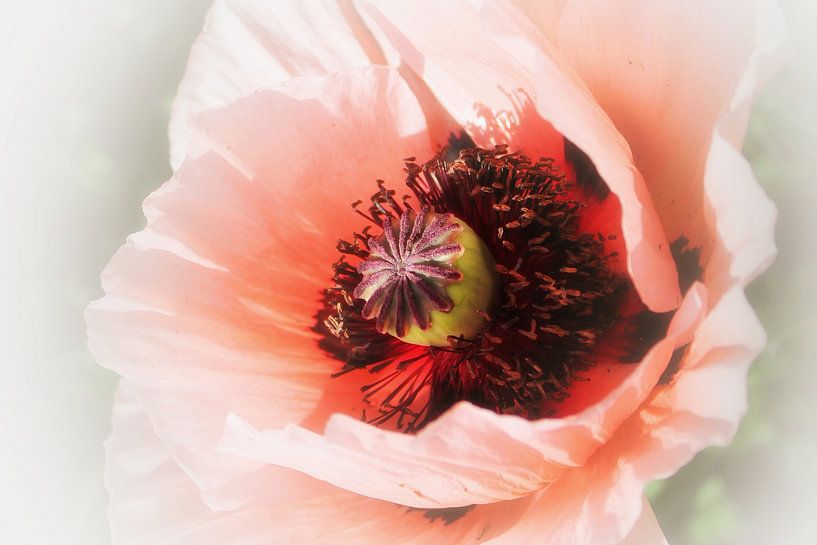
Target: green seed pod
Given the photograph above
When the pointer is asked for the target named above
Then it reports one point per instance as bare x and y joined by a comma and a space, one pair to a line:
428, 279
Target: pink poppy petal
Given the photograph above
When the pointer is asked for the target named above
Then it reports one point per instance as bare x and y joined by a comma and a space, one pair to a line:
696, 407
740, 214
646, 530
395, 467
153, 501
699, 408
468, 455
493, 64
741, 220
246, 46
545, 16
772, 48
600, 503
210, 309
664, 72
701, 399
707, 396
557, 518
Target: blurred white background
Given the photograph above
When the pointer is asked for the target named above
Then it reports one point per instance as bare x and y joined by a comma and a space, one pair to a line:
85, 93
84, 103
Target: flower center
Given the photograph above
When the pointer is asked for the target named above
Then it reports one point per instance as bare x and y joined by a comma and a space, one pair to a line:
427, 279
490, 292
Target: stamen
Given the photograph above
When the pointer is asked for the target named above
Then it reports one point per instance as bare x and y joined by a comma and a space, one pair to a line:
556, 297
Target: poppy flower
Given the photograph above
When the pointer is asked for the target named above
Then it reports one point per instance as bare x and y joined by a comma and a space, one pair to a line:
438, 273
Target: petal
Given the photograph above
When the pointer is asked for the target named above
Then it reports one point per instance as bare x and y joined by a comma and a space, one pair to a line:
649, 66
468, 455
474, 79
246, 46
493, 65
210, 309
646, 530
706, 398
664, 72
702, 397
741, 217
153, 501
545, 16
600, 502
772, 48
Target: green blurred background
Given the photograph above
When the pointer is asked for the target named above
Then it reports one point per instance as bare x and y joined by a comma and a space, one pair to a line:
86, 95
762, 489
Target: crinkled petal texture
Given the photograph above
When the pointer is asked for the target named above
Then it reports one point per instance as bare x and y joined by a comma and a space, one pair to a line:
154, 501
225, 427
248, 45
210, 309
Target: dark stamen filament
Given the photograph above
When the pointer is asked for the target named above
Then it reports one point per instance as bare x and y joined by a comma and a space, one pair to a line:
558, 296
